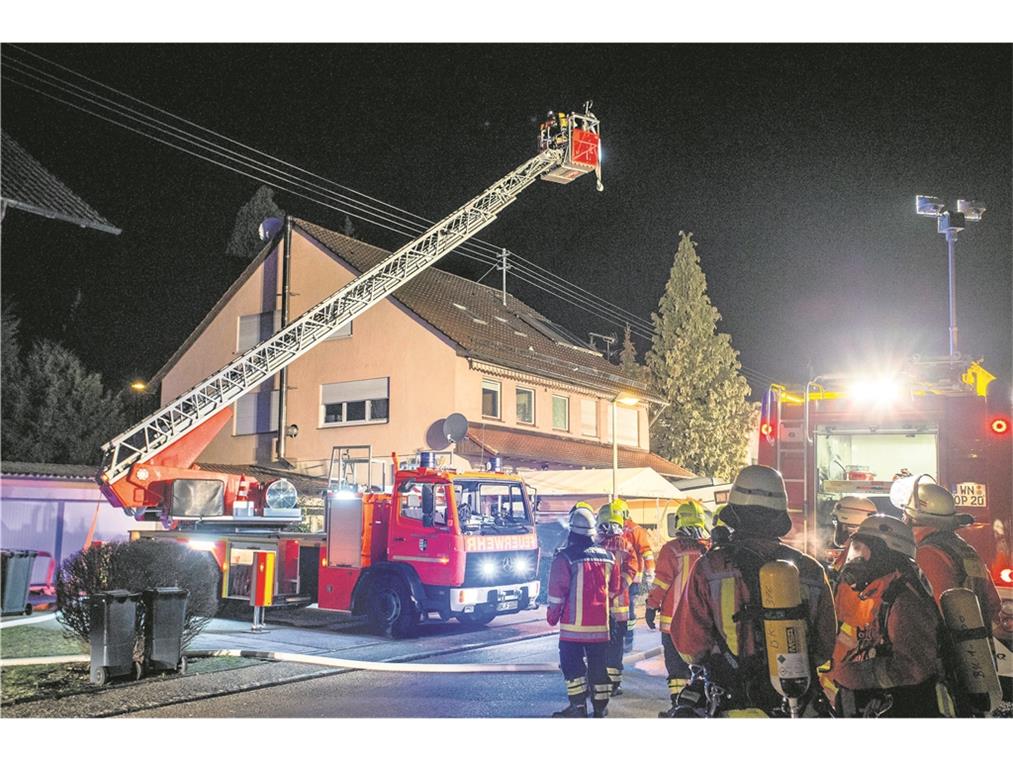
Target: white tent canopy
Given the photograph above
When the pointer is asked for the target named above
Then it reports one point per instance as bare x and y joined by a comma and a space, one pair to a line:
631, 483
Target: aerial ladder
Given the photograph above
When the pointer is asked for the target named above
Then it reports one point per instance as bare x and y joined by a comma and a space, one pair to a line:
149, 470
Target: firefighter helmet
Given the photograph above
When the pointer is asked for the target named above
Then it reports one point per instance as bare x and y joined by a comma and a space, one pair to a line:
847, 515
582, 519
932, 505
620, 506
690, 515
609, 520
759, 486
895, 534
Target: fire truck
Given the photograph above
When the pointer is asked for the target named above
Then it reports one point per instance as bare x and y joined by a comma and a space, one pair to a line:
457, 544
843, 435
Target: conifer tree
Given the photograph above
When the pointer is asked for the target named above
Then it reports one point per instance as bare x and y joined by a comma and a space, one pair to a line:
245, 241
694, 367
628, 356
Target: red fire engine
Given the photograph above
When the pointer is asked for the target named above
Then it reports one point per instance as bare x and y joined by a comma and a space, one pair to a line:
845, 435
459, 544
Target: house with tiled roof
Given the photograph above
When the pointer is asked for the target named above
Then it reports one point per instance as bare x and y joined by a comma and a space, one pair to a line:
27, 185
534, 395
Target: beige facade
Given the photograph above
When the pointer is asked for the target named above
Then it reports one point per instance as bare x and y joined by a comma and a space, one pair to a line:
428, 376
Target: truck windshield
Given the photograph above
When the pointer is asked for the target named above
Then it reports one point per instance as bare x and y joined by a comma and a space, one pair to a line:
491, 506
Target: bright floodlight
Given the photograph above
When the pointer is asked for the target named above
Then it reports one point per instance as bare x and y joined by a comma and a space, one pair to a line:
522, 565
972, 210
877, 390
488, 569
928, 205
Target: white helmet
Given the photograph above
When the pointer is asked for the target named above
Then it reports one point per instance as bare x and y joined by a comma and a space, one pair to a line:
895, 534
852, 510
932, 505
759, 486
582, 520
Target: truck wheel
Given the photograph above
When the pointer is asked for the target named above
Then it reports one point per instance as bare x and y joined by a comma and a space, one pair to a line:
477, 619
101, 677
391, 610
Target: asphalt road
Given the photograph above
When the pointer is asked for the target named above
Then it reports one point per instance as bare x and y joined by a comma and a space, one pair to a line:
366, 694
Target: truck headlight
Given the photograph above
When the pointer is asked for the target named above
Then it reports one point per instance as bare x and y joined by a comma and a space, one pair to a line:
487, 569
522, 565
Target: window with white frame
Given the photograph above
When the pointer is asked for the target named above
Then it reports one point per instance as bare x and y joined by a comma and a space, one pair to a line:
526, 405
560, 413
627, 426
255, 328
358, 402
342, 332
256, 412
589, 416
490, 398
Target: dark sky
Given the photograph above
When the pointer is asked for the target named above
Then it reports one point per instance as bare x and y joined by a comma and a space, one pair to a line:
794, 166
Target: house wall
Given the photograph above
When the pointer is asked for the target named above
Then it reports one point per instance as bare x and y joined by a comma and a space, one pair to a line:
428, 380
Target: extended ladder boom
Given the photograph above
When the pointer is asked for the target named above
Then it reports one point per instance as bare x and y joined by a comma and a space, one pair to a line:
186, 413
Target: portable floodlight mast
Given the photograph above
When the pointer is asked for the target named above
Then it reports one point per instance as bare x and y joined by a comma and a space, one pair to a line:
949, 223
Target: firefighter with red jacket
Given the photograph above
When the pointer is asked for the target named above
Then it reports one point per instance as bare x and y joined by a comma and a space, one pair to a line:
583, 579
641, 542
717, 625
946, 559
612, 537
675, 560
886, 660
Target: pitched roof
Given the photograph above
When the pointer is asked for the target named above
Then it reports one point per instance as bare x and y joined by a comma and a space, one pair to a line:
536, 448
27, 185
471, 315
47, 470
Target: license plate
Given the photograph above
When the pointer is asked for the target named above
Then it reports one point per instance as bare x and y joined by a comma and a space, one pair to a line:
502, 606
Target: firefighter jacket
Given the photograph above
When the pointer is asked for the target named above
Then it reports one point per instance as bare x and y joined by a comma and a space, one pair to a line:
948, 561
718, 611
675, 560
642, 543
628, 562
581, 583
889, 641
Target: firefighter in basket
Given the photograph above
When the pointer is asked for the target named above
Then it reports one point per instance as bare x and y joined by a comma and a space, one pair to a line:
583, 579
756, 616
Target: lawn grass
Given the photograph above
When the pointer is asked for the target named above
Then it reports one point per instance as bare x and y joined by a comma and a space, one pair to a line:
38, 640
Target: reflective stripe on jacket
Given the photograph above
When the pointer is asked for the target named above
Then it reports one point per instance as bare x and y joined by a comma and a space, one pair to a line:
675, 560
629, 563
715, 592
642, 543
581, 583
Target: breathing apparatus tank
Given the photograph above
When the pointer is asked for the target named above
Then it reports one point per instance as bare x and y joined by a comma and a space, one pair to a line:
784, 630
973, 662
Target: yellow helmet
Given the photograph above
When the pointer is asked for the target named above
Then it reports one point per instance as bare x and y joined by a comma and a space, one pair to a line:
620, 506
690, 514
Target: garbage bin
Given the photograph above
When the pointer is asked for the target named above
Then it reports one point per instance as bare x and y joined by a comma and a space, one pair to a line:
15, 577
113, 636
164, 616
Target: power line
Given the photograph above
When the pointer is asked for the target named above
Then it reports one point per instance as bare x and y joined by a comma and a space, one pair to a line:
523, 269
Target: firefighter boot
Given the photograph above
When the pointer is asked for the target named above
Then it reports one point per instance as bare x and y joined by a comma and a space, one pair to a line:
671, 712
675, 687
576, 709
600, 708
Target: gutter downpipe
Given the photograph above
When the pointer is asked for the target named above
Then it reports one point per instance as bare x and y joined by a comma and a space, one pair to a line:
286, 274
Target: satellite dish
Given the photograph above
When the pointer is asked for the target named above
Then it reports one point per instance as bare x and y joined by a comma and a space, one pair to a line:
269, 227
455, 427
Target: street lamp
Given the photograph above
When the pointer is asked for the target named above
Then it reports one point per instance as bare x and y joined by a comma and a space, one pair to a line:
949, 223
139, 386
626, 399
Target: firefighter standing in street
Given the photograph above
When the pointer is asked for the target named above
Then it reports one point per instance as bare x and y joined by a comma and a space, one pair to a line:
582, 580
612, 538
946, 559
675, 560
717, 624
887, 658
645, 575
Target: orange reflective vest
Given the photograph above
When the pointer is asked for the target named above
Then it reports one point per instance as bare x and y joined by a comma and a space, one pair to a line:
581, 584
642, 543
675, 560
869, 657
629, 564
948, 561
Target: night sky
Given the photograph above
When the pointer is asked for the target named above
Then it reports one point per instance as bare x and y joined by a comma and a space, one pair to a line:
794, 166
